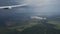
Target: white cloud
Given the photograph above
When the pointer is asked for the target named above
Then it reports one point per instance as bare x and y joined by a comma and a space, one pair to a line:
36, 17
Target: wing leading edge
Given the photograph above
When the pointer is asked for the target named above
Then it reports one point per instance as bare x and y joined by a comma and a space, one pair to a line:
9, 7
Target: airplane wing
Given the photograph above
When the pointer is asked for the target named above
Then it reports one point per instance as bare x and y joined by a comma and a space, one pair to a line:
18, 5
9, 7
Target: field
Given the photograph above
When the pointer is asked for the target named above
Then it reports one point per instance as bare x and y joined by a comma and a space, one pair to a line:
55, 22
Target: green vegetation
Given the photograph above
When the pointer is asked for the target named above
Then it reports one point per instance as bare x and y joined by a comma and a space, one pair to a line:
31, 27
55, 22
22, 27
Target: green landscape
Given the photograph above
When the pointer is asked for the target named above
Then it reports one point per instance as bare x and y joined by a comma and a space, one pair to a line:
55, 22
31, 26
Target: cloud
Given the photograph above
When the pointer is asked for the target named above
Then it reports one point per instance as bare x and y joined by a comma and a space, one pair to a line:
36, 17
